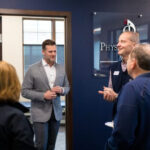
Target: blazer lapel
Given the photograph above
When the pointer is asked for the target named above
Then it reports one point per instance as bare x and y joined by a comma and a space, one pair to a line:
57, 72
43, 74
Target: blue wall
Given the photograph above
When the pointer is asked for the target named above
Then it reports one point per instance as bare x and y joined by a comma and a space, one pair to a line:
90, 111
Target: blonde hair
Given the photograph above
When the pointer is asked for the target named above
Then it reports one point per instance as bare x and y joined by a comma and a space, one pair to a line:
134, 36
9, 83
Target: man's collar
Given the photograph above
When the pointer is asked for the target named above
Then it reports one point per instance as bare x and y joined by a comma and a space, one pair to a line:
44, 63
146, 74
123, 66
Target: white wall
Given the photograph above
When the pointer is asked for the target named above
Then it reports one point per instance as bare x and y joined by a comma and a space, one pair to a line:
12, 43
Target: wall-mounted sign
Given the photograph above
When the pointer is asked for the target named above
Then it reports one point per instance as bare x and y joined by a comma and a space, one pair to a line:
106, 29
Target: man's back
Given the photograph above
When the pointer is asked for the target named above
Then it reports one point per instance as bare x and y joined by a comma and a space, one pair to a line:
142, 132
132, 121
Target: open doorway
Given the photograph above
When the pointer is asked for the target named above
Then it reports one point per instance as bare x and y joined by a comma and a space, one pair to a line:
35, 31
67, 56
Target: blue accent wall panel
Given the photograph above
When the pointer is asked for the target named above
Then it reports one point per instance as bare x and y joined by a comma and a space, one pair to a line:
90, 111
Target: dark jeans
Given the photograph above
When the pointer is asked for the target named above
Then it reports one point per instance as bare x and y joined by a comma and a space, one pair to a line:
46, 133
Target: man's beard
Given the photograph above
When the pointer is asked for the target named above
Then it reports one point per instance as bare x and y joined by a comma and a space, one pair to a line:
49, 61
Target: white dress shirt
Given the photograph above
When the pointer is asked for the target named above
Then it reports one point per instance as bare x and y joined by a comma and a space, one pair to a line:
123, 67
50, 72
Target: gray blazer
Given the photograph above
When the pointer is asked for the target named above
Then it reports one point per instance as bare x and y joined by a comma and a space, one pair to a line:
34, 86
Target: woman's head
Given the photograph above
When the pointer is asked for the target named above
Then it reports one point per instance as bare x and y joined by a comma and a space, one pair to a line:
9, 83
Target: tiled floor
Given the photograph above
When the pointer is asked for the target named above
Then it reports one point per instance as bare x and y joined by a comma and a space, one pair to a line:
60, 142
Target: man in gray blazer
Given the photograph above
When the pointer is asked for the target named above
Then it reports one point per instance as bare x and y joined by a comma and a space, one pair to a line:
44, 83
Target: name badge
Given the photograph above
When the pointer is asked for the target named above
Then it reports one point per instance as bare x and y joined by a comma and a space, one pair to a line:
116, 73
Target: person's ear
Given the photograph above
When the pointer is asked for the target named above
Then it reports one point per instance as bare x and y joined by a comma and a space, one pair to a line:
133, 45
43, 52
133, 63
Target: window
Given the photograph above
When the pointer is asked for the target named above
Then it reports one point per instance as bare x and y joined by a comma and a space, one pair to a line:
59, 32
35, 31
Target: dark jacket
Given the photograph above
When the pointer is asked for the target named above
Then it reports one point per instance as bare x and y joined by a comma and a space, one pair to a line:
132, 121
15, 130
119, 79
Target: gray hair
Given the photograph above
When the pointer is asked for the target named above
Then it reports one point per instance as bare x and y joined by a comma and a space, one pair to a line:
141, 52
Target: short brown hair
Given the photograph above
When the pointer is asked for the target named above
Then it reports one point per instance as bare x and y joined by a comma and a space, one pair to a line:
47, 42
141, 52
9, 83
